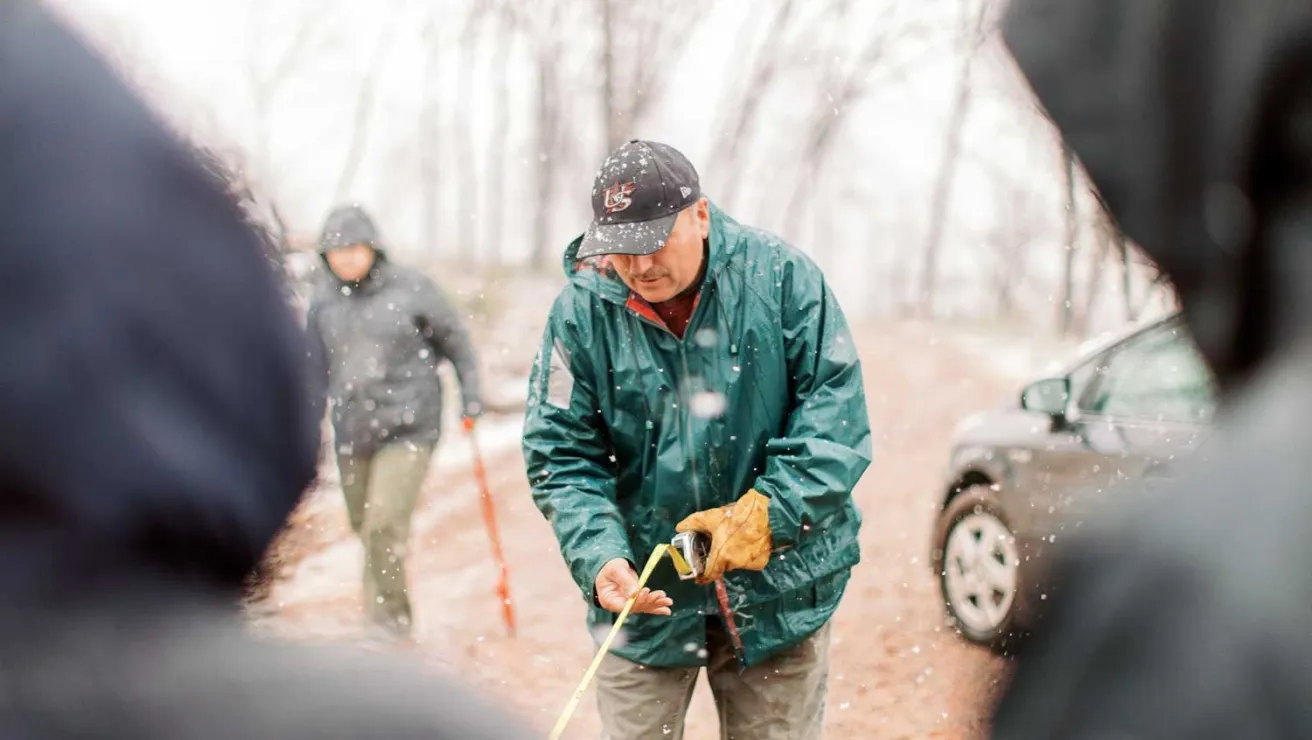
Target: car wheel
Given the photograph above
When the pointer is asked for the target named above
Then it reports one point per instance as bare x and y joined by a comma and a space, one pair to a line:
979, 569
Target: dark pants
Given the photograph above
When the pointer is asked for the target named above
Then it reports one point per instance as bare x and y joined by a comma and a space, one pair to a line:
381, 492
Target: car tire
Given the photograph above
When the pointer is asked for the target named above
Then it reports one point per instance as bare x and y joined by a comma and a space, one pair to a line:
977, 561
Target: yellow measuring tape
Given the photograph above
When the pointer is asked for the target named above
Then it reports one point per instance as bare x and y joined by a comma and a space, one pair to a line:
680, 565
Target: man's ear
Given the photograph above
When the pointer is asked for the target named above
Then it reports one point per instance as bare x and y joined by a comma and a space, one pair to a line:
704, 217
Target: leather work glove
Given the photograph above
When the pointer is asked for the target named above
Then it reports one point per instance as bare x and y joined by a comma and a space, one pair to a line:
740, 535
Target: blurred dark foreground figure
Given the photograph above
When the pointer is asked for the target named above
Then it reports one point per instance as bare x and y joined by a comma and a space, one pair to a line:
155, 432
1189, 614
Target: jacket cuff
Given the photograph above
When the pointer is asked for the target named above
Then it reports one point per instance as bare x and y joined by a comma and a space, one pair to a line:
587, 569
785, 527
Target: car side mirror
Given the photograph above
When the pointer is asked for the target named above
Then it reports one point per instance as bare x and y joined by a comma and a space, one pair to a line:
1049, 396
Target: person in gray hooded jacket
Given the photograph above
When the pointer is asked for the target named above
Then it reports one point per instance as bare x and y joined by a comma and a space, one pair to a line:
381, 330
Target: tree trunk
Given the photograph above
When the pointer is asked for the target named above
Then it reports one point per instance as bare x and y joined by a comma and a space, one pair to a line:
1065, 310
1097, 266
546, 164
733, 137
939, 201
1127, 276
942, 195
611, 132
495, 212
467, 190
364, 106
430, 142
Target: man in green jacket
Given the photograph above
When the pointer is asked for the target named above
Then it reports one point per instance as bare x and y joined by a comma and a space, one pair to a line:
696, 374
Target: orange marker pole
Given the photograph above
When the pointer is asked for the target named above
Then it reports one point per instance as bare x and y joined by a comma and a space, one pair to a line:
490, 520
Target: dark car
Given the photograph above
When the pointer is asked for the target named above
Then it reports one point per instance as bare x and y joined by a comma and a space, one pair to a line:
1022, 475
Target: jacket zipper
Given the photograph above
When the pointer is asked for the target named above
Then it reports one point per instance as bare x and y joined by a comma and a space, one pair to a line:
721, 591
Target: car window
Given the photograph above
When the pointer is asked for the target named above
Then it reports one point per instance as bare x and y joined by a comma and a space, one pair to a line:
1158, 375
1084, 376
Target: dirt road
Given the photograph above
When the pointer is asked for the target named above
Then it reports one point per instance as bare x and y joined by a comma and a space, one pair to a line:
897, 672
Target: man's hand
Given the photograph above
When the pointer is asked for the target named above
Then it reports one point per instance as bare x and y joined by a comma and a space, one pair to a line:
740, 536
618, 581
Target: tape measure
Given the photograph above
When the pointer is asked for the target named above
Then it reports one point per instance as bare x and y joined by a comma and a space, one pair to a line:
681, 565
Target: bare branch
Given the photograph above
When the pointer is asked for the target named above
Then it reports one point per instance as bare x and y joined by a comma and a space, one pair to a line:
735, 130
430, 145
1065, 309
973, 32
265, 85
364, 106
828, 116
640, 43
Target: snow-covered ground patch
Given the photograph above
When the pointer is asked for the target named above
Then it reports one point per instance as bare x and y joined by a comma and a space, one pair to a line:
338, 567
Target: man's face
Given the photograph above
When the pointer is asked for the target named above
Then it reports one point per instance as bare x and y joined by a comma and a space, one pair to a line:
671, 270
351, 263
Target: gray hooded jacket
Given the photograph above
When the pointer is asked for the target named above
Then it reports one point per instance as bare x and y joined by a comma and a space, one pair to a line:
380, 342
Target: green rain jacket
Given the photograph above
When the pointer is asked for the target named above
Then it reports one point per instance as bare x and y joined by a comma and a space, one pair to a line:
630, 429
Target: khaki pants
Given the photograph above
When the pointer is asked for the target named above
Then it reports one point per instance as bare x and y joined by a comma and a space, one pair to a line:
780, 699
381, 493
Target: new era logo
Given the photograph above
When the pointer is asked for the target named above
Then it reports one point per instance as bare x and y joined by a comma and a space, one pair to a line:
685, 190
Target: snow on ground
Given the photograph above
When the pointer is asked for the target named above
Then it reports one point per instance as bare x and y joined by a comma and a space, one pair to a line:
898, 671
1003, 352
340, 563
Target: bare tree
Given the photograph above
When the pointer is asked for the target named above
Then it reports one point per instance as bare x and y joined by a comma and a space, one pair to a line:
472, 29
1130, 263
1122, 252
549, 150
1154, 281
1110, 246
1098, 258
842, 88
539, 25
839, 85
973, 15
267, 78
504, 46
1122, 248
741, 109
1021, 221
1066, 306
364, 108
640, 43
429, 142
609, 104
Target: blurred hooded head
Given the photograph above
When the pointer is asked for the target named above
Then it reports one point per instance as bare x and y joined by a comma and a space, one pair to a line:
159, 424
349, 243
1194, 120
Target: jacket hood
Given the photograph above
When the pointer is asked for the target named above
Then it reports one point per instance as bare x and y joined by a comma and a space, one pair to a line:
158, 422
599, 276
344, 227
348, 225
1190, 116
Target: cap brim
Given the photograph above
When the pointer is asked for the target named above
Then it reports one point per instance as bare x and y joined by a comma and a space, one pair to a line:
639, 238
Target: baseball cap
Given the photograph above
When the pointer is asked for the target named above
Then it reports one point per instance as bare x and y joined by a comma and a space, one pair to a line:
636, 198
